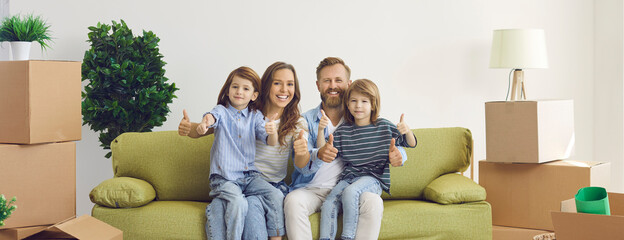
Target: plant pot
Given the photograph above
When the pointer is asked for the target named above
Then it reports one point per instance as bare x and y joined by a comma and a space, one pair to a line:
20, 50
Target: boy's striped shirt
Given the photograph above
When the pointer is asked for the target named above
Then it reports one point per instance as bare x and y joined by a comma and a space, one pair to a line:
364, 149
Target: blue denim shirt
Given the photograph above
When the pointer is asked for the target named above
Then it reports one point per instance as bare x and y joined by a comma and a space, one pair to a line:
234, 148
302, 176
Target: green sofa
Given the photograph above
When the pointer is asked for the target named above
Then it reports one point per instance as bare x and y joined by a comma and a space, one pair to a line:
160, 189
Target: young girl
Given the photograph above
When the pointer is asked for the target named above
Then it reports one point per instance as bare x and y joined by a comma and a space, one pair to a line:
233, 174
362, 142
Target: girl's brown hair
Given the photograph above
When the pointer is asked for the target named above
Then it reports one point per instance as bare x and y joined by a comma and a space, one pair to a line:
367, 88
290, 115
245, 73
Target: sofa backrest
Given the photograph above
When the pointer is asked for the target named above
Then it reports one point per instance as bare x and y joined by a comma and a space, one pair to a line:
439, 151
179, 167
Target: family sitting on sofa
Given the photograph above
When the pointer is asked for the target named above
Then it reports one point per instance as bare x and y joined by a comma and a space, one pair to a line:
342, 152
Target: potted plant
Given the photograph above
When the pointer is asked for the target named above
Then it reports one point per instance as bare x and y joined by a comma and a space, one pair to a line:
22, 31
6, 208
126, 90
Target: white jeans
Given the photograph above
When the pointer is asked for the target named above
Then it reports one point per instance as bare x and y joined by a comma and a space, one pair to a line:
303, 202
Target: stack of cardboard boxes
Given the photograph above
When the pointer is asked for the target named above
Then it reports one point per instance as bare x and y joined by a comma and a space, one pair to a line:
40, 117
525, 174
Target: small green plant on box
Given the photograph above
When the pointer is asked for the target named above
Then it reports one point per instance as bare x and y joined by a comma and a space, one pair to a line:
27, 29
6, 208
127, 90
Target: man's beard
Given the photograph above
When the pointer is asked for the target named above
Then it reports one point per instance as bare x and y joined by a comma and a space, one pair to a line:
332, 102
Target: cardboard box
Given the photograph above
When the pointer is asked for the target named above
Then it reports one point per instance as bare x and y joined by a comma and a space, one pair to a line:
529, 131
40, 101
43, 178
570, 225
84, 227
509, 233
523, 194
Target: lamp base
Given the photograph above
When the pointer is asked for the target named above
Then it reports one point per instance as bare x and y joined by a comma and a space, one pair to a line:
518, 91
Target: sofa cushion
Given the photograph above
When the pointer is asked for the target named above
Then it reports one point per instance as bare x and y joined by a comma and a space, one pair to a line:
454, 188
123, 192
177, 167
171, 220
411, 219
439, 151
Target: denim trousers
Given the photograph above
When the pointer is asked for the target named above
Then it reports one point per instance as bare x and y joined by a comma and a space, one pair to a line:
227, 212
345, 196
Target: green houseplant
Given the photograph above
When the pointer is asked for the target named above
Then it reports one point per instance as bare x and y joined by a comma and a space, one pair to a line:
21, 31
6, 208
127, 90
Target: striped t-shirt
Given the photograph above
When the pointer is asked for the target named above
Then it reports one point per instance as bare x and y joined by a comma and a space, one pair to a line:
272, 161
364, 149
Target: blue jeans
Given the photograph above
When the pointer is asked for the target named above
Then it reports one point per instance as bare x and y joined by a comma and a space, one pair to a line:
345, 195
255, 221
228, 209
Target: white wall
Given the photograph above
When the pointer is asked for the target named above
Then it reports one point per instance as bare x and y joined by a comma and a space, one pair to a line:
608, 87
429, 58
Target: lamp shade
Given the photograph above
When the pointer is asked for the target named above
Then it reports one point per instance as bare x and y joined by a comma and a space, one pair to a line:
519, 48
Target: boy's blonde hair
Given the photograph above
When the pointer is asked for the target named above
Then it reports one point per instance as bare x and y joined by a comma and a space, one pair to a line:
367, 88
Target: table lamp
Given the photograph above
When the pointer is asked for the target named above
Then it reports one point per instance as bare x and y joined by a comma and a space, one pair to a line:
518, 49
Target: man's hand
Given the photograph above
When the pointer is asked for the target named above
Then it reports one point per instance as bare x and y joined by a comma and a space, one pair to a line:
328, 152
324, 122
396, 160
270, 125
185, 125
208, 120
402, 126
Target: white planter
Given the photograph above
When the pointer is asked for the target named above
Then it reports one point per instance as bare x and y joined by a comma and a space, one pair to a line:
20, 50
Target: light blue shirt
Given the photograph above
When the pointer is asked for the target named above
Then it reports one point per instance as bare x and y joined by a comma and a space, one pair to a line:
234, 148
302, 176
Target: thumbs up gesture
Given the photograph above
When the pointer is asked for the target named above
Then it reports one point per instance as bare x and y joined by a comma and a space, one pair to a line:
324, 121
270, 124
405, 130
185, 125
394, 155
402, 126
207, 120
328, 152
301, 145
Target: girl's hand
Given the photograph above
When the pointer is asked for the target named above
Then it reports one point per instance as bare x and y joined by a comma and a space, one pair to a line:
402, 126
324, 122
185, 125
270, 125
208, 120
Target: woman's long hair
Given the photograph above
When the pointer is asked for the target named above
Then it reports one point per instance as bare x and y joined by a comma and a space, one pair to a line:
290, 115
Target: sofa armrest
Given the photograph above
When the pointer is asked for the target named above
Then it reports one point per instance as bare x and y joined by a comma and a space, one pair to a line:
454, 188
123, 192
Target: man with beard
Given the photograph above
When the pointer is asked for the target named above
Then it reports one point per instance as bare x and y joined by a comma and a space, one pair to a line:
313, 179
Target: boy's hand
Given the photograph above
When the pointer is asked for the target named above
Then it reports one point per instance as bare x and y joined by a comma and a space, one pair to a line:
208, 120
270, 125
396, 160
185, 125
301, 145
402, 126
324, 121
328, 152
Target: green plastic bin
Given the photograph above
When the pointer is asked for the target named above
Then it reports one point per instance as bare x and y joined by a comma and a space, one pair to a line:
592, 200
